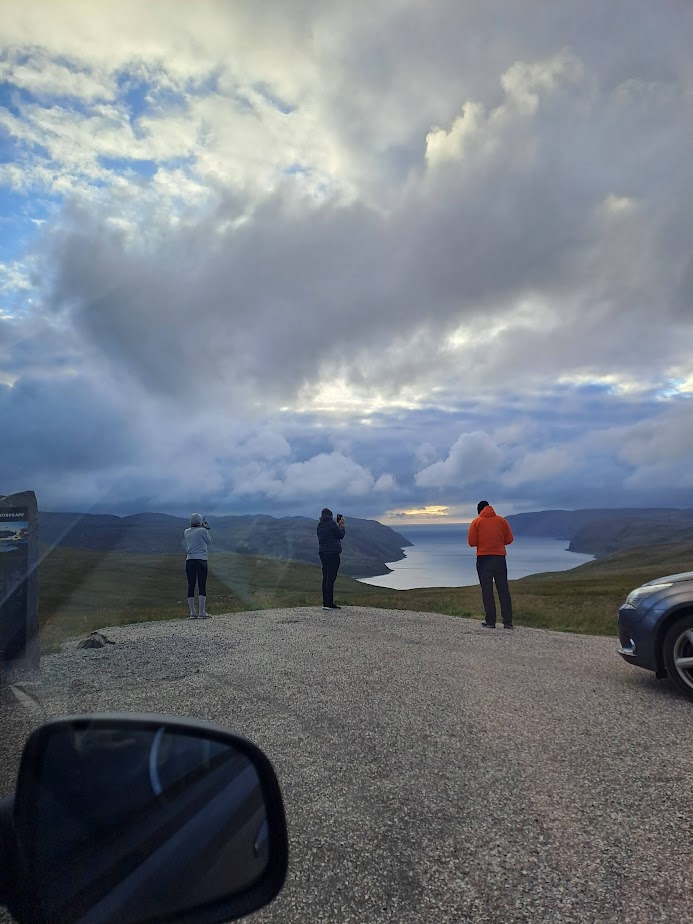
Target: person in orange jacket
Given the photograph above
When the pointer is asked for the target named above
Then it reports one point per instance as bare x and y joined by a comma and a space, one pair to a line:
490, 534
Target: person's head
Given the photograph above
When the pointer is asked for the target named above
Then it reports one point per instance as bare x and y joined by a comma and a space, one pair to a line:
326, 513
196, 519
480, 506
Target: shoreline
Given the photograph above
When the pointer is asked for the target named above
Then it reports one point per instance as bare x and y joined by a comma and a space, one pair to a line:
428, 558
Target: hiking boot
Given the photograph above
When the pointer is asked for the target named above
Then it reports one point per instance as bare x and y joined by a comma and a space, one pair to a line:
488, 625
508, 625
331, 606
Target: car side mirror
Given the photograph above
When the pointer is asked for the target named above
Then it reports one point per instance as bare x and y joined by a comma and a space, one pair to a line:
136, 819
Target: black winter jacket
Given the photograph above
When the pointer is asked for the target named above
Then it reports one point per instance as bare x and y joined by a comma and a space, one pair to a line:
329, 535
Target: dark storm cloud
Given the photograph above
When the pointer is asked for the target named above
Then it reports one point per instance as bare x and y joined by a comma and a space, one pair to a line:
57, 427
543, 199
506, 220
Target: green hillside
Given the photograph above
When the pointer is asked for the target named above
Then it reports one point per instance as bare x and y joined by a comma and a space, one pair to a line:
369, 544
602, 531
83, 590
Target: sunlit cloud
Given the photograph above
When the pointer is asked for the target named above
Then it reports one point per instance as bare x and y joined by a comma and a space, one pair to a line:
228, 237
432, 511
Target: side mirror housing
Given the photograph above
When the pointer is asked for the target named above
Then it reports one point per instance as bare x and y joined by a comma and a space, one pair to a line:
143, 818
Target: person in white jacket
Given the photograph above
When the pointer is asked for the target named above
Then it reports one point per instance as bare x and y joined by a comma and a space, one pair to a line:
197, 539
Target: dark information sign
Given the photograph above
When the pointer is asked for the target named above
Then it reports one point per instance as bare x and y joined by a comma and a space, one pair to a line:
19, 580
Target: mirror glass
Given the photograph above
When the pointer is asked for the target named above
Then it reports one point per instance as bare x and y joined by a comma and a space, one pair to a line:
131, 824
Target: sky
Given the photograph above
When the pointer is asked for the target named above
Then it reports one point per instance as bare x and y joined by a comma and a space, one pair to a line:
391, 257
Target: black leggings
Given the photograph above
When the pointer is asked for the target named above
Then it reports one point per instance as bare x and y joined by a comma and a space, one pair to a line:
330, 567
196, 570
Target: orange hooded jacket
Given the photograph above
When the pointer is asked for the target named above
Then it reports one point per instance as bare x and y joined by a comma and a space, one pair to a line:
489, 533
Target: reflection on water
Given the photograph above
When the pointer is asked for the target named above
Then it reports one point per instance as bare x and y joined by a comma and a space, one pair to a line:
441, 557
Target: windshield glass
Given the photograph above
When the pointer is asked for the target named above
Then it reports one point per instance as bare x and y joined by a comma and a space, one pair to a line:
346, 389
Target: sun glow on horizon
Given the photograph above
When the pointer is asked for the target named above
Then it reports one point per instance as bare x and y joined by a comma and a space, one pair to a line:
419, 514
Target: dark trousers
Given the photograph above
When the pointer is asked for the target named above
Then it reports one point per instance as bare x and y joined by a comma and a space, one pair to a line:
196, 570
492, 568
330, 567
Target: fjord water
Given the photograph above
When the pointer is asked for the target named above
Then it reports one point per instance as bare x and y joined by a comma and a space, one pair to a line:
440, 557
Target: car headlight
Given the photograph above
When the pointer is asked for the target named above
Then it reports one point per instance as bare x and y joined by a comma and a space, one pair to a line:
635, 596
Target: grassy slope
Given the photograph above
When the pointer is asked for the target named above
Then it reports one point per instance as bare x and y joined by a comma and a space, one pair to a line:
84, 590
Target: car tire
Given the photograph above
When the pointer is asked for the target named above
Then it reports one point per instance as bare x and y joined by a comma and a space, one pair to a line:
678, 646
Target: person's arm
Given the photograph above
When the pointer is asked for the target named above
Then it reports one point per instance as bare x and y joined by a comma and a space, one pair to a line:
508, 533
339, 530
473, 535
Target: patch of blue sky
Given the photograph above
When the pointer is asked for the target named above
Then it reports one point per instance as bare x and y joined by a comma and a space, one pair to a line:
179, 163
15, 99
133, 93
675, 388
142, 167
161, 100
17, 225
274, 100
10, 150
296, 170
595, 388
12, 98
142, 97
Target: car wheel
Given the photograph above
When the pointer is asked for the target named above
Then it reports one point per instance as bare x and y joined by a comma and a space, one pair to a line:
677, 650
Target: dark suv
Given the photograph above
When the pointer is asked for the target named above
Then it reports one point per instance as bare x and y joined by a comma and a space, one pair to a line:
655, 627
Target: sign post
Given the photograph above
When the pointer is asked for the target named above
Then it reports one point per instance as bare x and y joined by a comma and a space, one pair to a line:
19, 639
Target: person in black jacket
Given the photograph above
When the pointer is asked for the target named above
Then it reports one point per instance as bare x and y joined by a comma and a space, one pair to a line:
330, 535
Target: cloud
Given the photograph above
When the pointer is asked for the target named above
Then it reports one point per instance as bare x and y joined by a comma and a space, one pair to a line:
431, 511
324, 475
476, 132
472, 457
540, 466
382, 256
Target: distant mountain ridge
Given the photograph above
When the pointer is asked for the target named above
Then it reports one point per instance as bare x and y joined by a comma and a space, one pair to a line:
367, 547
602, 531
368, 544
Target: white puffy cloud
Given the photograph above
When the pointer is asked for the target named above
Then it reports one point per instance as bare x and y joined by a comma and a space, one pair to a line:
473, 457
487, 133
326, 474
323, 475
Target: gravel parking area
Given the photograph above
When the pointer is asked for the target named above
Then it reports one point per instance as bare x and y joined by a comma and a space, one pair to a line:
433, 771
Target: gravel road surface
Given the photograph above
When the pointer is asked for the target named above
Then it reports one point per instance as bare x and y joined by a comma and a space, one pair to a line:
433, 771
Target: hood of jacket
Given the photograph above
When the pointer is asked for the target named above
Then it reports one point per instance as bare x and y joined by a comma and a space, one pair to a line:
488, 512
